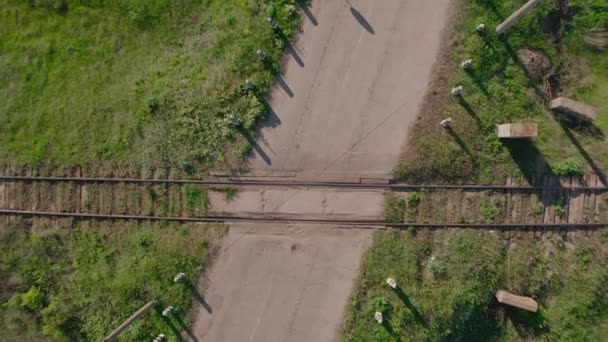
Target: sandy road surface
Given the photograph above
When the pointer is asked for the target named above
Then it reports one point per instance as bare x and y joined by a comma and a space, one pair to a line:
280, 284
351, 87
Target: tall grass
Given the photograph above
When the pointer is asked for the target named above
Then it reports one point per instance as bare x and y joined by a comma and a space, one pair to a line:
81, 284
147, 83
447, 280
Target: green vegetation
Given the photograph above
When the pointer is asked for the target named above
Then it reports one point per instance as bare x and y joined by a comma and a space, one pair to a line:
490, 210
230, 192
498, 89
196, 198
447, 280
394, 208
569, 167
559, 206
82, 283
537, 210
413, 199
147, 83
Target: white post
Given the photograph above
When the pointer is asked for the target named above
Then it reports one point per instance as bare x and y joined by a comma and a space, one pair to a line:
168, 310
261, 55
480, 28
179, 277
378, 317
466, 64
391, 282
272, 22
445, 123
457, 90
234, 120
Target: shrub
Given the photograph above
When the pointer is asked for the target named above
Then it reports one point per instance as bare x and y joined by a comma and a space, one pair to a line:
32, 299
413, 199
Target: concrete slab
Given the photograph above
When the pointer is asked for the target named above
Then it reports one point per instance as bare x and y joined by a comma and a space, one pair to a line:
305, 202
245, 202
287, 284
573, 109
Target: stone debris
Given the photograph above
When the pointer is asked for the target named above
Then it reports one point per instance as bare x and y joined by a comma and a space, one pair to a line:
537, 64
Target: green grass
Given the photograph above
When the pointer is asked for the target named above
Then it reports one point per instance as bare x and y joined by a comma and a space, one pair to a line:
394, 208
197, 198
498, 90
82, 283
145, 83
447, 281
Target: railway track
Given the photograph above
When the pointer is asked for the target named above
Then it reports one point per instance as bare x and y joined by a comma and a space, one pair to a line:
228, 181
555, 203
340, 223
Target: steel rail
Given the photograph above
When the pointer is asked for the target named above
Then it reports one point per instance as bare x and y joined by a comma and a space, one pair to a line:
210, 219
278, 219
300, 183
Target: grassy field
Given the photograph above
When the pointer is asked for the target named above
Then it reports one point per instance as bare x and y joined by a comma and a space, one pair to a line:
80, 284
136, 82
498, 89
447, 280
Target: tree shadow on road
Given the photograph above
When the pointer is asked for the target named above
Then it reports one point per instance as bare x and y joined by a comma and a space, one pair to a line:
361, 19
199, 298
307, 12
289, 47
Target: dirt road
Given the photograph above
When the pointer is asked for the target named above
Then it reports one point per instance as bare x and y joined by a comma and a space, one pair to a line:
280, 284
351, 87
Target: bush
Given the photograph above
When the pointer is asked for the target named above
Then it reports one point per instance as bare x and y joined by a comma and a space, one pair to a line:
32, 299
413, 199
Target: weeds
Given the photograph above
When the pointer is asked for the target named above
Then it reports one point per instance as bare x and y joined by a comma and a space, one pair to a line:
490, 211
559, 207
394, 207
569, 167
230, 192
196, 198
537, 210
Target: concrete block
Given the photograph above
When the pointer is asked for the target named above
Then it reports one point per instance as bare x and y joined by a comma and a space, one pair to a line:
516, 16
520, 302
573, 110
517, 130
